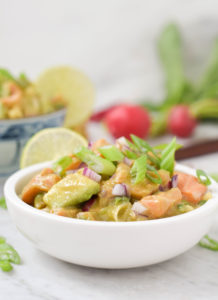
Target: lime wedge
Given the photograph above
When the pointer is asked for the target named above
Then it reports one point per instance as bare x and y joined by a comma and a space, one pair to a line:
75, 88
50, 144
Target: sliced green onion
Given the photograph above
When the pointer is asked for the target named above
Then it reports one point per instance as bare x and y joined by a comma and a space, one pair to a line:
61, 164
3, 203
209, 243
96, 163
23, 80
131, 145
139, 169
129, 154
154, 160
202, 202
214, 176
111, 153
205, 180
156, 178
163, 146
119, 200
6, 75
168, 156
143, 146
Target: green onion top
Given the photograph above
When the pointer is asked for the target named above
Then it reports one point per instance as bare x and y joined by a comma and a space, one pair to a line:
202, 177
111, 153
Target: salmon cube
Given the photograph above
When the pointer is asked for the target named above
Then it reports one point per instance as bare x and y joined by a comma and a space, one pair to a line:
40, 183
192, 190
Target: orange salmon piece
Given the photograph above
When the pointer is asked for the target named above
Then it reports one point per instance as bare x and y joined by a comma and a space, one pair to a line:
156, 206
192, 190
42, 182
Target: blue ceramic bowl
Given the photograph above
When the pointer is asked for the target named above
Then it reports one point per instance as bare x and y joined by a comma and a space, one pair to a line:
15, 133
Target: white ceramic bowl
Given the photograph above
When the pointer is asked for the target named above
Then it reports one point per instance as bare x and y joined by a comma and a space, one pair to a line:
107, 244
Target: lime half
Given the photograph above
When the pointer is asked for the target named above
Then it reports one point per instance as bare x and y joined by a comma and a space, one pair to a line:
50, 144
75, 88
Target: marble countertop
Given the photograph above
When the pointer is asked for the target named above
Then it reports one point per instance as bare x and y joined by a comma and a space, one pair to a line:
192, 275
114, 43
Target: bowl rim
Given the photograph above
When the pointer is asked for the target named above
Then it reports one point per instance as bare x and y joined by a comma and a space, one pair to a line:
32, 119
13, 180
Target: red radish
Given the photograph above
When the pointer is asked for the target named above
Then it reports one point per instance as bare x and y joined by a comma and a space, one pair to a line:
181, 122
127, 119
100, 115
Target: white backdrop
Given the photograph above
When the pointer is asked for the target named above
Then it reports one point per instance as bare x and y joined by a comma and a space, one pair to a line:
113, 41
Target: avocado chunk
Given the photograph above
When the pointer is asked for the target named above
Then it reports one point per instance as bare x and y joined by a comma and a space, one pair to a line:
71, 190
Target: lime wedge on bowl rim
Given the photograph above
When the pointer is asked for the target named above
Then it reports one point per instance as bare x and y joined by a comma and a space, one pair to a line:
50, 144
75, 88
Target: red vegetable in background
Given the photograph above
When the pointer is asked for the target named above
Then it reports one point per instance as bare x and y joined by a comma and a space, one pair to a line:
100, 115
126, 119
181, 122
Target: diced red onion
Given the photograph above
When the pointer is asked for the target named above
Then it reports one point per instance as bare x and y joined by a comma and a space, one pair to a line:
82, 165
161, 188
88, 204
127, 161
90, 145
91, 174
174, 181
139, 209
120, 189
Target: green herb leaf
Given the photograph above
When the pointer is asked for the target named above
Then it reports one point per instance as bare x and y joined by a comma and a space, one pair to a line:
3, 203
119, 200
8, 255
202, 177
139, 169
168, 156
61, 164
5, 75
23, 80
5, 265
143, 146
129, 154
111, 153
153, 178
202, 202
214, 176
209, 243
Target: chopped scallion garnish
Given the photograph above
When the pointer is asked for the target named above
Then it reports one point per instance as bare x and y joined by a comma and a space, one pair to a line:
209, 243
168, 156
202, 177
96, 163
143, 146
3, 203
154, 178
139, 169
61, 164
111, 153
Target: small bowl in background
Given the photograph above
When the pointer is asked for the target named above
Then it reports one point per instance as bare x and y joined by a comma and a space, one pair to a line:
15, 133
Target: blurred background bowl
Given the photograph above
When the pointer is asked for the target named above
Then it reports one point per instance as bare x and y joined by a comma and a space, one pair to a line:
15, 133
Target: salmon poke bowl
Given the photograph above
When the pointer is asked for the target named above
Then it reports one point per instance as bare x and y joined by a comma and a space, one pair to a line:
117, 205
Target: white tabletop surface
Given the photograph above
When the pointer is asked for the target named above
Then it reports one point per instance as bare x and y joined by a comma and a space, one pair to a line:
114, 43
